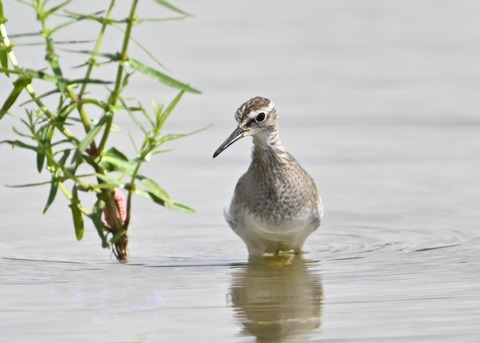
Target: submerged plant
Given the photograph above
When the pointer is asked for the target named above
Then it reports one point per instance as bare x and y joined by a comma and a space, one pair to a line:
68, 126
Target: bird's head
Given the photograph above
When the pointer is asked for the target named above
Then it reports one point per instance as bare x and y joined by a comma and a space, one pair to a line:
258, 118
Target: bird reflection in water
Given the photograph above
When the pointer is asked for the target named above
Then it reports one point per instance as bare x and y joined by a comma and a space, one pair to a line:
277, 298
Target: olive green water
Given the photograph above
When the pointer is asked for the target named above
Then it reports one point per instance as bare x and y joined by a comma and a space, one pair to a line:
379, 102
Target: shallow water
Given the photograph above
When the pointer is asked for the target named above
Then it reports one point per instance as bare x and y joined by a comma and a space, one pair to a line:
379, 102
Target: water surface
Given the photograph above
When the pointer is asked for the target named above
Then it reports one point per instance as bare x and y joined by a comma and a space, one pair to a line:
379, 102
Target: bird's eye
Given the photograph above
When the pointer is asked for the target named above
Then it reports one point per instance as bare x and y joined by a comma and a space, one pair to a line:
261, 117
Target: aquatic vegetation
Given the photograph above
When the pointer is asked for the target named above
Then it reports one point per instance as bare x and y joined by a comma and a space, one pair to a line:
68, 124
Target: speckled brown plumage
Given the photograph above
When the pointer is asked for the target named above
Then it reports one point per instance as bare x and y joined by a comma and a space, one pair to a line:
276, 205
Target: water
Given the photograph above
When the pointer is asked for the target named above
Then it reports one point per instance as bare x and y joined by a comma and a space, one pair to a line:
377, 99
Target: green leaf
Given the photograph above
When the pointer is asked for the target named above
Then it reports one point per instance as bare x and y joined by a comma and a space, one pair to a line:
3, 20
114, 152
18, 86
63, 113
54, 9
146, 115
93, 133
114, 160
161, 151
45, 141
171, 205
117, 236
89, 81
19, 144
132, 140
56, 177
111, 57
20, 133
170, 137
58, 79
173, 136
9, 71
155, 189
4, 60
160, 20
110, 183
64, 157
72, 42
96, 216
101, 186
30, 184
40, 160
53, 60
96, 16
111, 163
158, 195
163, 117
132, 115
77, 214
172, 8
41, 96
39, 74
149, 54
61, 26
159, 76
125, 80
181, 208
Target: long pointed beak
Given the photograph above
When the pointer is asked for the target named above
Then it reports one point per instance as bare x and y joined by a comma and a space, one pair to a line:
236, 135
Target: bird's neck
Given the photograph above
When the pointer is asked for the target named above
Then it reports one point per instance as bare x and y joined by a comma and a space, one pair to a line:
269, 149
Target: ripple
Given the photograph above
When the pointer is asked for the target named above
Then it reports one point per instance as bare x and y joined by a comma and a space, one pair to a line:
355, 242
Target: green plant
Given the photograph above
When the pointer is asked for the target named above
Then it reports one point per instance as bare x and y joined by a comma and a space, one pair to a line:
68, 126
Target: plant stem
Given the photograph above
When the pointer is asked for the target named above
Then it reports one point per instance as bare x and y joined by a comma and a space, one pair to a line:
130, 192
118, 82
121, 245
52, 59
11, 55
91, 64
7, 43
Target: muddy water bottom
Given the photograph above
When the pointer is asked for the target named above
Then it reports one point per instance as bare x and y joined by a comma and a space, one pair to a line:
347, 292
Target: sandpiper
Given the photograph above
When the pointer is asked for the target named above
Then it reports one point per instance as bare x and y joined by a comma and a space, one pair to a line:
276, 205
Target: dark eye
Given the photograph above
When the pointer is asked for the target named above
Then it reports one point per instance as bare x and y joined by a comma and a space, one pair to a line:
261, 116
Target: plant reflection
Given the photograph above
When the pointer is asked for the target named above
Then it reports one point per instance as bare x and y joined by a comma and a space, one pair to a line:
277, 297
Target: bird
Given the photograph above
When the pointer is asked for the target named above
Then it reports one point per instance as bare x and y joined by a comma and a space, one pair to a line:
276, 204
